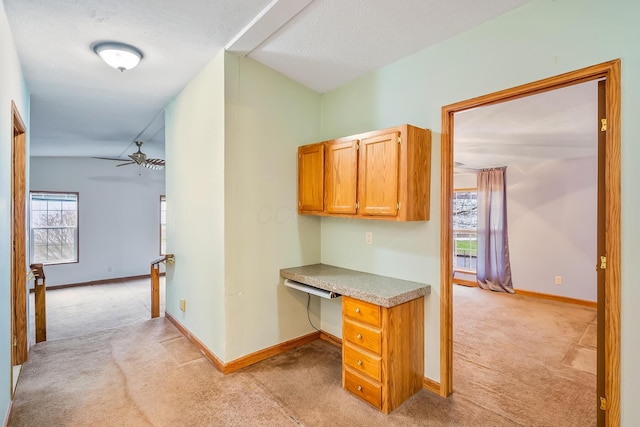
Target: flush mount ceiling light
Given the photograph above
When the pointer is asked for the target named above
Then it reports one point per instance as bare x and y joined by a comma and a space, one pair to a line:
118, 55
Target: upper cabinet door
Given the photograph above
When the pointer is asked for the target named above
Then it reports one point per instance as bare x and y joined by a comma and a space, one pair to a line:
311, 178
341, 168
378, 175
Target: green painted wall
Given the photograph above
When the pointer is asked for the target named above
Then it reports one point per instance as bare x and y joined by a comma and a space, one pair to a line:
195, 138
541, 39
12, 88
232, 136
267, 117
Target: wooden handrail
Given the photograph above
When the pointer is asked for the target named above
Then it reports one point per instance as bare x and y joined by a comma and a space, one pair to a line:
155, 283
37, 273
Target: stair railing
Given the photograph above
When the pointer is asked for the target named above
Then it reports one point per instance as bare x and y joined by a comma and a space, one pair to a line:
155, 283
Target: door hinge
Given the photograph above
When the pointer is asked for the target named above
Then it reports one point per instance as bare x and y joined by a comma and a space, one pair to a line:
398, 205
603, 125
399, 140
357, 145
15, 341
603, 262
603, 403
357, 205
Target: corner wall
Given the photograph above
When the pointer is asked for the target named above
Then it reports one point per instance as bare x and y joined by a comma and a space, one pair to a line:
12, 87
194, 147
267, 117
119, 216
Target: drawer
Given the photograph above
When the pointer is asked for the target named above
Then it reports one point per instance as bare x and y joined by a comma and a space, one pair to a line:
363, 388
362, 335
363, 362
361, 311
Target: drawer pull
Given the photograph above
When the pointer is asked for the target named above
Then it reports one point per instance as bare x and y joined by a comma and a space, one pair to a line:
359, 388
359, 362
359, 336
357, 309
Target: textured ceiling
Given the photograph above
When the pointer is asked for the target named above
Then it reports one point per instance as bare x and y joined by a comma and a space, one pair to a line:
559, 124
81, 107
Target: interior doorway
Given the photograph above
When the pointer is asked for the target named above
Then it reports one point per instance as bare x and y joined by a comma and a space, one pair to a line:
19, 342
608, 262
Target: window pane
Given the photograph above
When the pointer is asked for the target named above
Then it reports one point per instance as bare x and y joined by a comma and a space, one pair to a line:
39, 205
69, 218
40, 237
68, 252
54, 253
54, 227
38, 218
54, 205
54, 218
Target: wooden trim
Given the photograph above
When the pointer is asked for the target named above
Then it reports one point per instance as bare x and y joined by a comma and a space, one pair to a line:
332, 339
268, 352
463, 282
465, 190
249, 359
431, 385
100, 282
18, 267
558, 298
610, 71
219, 364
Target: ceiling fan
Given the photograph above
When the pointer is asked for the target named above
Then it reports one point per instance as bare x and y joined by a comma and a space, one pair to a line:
140, 159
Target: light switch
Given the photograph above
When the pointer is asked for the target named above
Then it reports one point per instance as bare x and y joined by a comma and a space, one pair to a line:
183, 305
368, 237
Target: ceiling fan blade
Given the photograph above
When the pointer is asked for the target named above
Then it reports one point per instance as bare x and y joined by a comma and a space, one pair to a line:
124, 164
110, 158
156, 164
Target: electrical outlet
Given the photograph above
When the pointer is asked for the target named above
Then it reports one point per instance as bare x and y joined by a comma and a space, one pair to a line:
183, 305
368, 237
558, 280
109, 269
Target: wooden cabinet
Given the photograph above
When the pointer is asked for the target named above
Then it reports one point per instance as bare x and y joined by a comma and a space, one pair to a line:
383, 174
341, 176
382, 351
311, 178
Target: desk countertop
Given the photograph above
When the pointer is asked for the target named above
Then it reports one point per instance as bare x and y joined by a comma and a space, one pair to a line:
380, 290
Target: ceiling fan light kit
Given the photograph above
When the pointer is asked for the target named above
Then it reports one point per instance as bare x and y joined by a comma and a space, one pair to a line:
120, 56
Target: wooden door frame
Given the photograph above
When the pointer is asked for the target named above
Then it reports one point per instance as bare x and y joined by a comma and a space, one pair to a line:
18, 273
610, 71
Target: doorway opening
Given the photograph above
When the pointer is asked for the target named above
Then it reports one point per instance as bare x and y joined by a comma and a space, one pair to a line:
608, 222
19, 343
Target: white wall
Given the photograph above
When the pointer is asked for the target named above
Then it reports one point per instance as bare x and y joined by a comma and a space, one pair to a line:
465, 180
551, 209
119, 216
538, 40
12, 87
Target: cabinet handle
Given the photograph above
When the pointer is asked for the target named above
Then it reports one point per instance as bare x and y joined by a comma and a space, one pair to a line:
359, 388
359, 336
357, 309
359, 362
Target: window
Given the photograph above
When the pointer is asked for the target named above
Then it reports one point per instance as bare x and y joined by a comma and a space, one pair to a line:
54, 228
163, 225
465, 229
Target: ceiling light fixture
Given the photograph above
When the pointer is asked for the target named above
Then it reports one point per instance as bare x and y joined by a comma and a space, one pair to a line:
118, 55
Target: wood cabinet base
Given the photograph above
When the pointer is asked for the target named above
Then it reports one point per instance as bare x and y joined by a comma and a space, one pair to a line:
387, 374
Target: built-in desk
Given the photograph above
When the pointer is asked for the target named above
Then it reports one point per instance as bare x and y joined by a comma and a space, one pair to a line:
382, 331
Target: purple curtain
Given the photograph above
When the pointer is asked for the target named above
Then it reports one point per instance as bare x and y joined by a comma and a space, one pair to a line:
493, 270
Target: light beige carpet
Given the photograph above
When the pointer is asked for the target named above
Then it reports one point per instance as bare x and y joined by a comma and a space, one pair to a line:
148, 374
